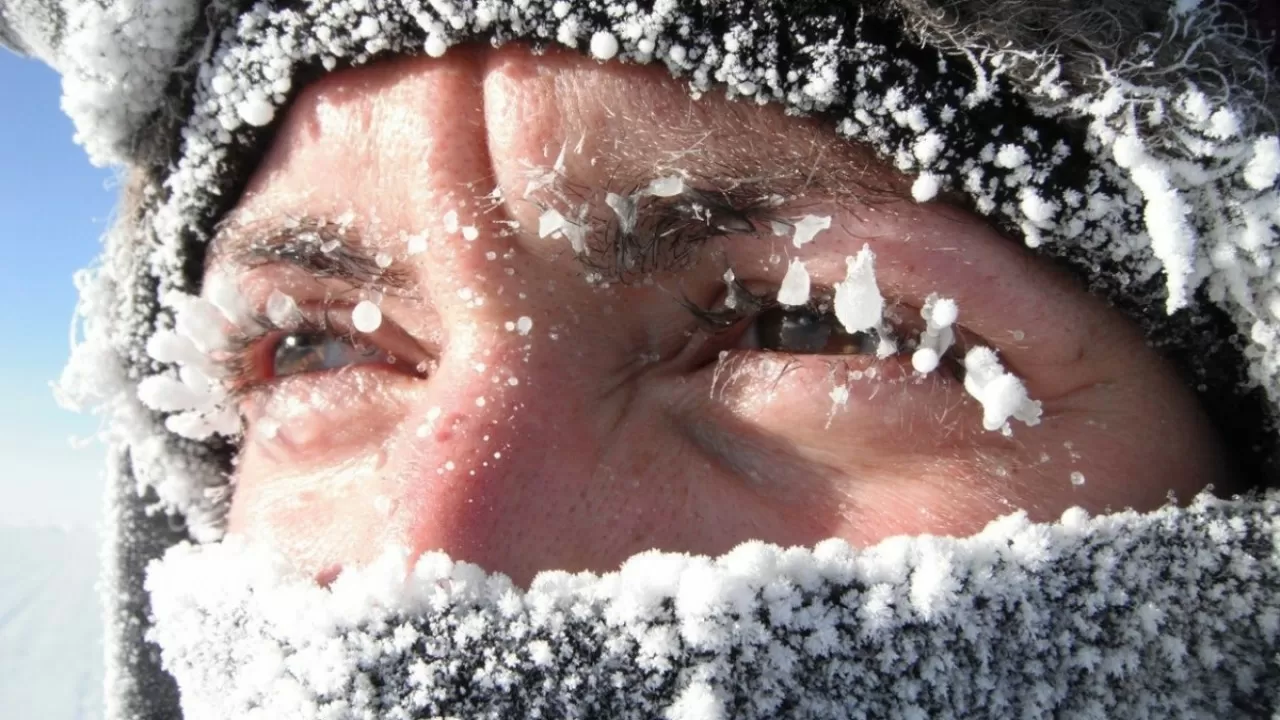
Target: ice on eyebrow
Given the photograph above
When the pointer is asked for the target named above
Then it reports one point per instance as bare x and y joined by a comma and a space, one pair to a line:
808, 227
281, 308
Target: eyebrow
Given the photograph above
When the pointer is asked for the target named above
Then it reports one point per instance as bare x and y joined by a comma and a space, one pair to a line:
318, 246
736, 190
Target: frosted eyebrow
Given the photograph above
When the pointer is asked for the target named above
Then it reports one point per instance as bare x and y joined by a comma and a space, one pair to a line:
320, 247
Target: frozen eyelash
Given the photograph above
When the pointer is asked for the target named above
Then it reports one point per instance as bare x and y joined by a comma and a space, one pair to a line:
640, 233
740, 304
237, 359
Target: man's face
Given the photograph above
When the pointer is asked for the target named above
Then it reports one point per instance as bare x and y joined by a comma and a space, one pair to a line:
524, 404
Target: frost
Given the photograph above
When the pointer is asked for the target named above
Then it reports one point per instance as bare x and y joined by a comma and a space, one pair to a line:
924, 360
1011, 156
417, 243
604, 45
1179, 189
550, 222
697, 702
225, 295
847, 631
858, 303
666, 186
928, 147
366, 317
625, 208
940, 312
200, 321
1002, 395
282, 309
256, 110
1264, 166
937, 337
794, 290
435, 46
925, 187
808, 227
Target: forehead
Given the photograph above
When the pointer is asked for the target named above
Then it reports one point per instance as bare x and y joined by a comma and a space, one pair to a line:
415, 132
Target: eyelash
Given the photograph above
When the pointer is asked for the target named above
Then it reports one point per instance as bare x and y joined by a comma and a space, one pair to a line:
722, 320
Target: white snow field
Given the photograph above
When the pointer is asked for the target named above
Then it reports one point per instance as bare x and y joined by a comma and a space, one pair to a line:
50, 625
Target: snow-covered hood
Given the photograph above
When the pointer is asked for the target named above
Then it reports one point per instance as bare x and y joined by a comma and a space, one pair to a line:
1148, 164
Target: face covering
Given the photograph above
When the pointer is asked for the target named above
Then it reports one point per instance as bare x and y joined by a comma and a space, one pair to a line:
1167, 614
1148, 163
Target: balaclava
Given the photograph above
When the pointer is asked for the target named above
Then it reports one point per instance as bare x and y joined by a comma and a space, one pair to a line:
1147, 163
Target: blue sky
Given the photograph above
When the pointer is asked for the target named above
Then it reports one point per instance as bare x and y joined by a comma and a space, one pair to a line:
54, 207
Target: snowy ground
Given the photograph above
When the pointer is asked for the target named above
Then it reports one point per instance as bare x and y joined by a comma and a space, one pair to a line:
50, 625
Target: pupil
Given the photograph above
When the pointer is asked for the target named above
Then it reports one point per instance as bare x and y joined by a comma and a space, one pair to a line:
803, 330
793, 330
299, 353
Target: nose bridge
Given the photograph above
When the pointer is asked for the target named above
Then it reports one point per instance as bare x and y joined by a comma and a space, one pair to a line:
496, 464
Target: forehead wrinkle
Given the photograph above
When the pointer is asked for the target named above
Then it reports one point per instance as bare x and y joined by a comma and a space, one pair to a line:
743, 147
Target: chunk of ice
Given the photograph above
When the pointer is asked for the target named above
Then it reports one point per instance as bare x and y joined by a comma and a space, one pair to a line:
925, 187
418, 243
256, 109
808, 227
282, 310
666, 186
604, 46
795, 285
924, 360
1003, 396
435, 45
366, 317
858, 303
550, 222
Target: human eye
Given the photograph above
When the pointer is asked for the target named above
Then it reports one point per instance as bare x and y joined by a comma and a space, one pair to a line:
316, 339
288, 365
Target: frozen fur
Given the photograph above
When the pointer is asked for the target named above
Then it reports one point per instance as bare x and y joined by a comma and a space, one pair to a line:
1168, 615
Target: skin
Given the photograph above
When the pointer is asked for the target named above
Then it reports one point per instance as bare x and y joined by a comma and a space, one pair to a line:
611, 427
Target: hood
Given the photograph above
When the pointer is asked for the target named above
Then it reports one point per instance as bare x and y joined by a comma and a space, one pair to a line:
1147, 163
